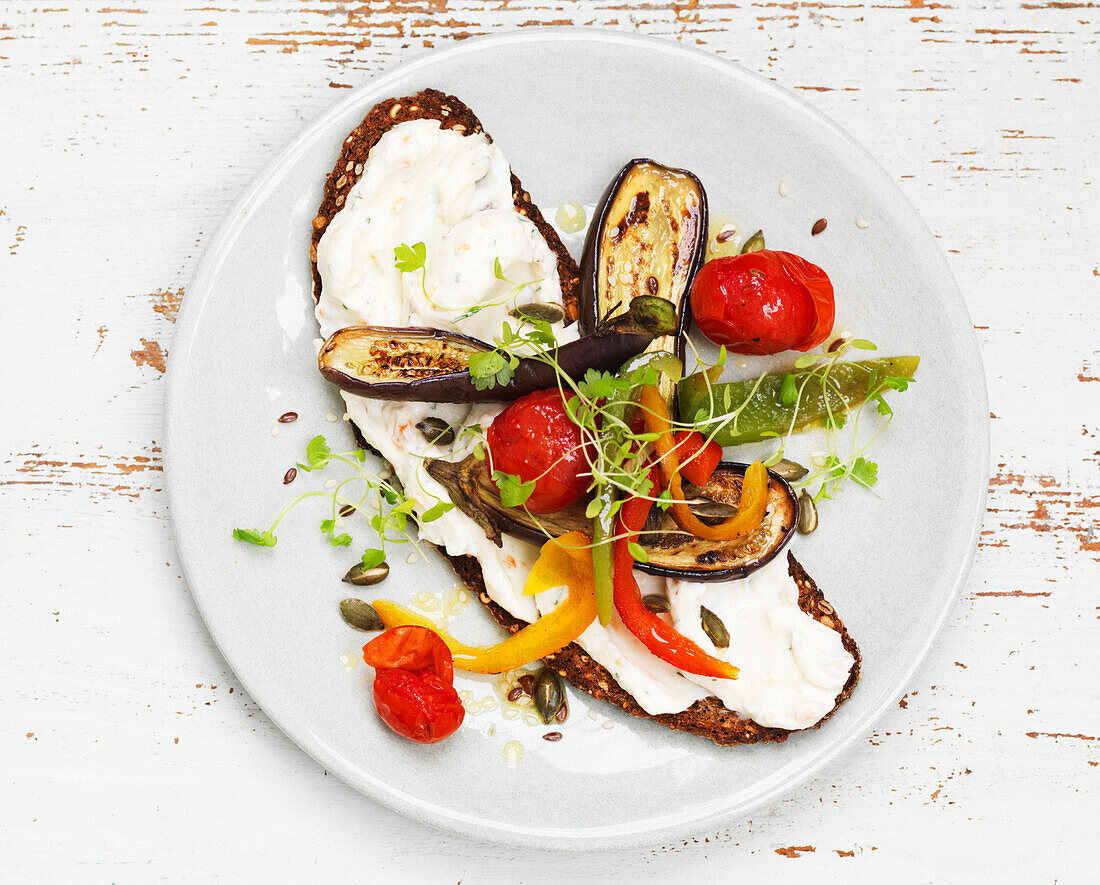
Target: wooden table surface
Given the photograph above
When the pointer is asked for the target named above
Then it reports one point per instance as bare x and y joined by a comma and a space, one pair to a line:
129, 752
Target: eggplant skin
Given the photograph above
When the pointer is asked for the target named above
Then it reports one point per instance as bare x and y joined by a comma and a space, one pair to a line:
594, 303
672, 552
695, 559
429, 365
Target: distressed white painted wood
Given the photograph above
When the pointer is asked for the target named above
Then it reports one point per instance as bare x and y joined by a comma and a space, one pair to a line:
128, 754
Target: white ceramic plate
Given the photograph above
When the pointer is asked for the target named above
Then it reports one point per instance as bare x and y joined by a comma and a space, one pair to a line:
568, 108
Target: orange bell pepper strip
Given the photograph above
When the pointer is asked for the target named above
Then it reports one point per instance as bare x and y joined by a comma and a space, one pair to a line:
656, 634
562, 561
754, 490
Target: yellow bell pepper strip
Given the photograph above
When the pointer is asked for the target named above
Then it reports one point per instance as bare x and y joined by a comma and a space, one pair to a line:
562, 561
754, 489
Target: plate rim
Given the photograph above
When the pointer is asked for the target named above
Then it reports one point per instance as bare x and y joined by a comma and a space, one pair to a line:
637, 833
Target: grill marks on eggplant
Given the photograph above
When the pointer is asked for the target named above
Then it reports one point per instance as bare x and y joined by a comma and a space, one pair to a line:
672, 552
431, 365
395, 358
648, 239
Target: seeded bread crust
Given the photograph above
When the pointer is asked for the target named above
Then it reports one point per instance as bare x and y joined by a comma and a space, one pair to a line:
708, 718
431, 104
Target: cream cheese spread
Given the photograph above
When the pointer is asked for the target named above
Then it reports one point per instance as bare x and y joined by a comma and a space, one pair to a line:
452, 192
792, 667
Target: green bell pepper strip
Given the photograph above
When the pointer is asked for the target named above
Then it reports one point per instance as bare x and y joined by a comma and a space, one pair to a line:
765, 415
619, 408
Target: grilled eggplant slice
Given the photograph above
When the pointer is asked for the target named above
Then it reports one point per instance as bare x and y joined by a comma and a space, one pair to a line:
430, 365
673, 553
648, 238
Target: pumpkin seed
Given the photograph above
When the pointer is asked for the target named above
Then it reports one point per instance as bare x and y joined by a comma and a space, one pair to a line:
361, 576
655, 602
714, 628
789, 470
436, 431
548, 694
540, 311
754, 243
807, 513
360, 615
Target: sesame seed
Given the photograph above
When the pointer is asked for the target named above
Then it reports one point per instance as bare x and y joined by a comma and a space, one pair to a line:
860, 223
782, 188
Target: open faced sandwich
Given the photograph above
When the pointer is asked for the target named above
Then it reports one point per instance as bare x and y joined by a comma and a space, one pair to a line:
541, 432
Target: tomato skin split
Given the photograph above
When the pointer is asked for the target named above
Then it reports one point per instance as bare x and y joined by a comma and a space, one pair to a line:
413, 690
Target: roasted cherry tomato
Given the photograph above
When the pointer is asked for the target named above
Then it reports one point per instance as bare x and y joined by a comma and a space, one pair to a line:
698, 458
418, 706
763, 302
412, 686
534, 439
410, 648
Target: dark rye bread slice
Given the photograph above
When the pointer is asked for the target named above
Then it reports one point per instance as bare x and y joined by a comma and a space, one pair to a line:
709, 717
430, 104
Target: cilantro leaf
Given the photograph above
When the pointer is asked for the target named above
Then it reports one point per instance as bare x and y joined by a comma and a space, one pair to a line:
437, 510
599, 385
833, 466
372, 556
409, 258
327, 525
253, 536
317, 453
864, 472
514, 492
896, 382
341, 540
487, 370
883, 406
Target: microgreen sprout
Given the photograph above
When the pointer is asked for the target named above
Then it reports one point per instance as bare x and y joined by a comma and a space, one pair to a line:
390, 522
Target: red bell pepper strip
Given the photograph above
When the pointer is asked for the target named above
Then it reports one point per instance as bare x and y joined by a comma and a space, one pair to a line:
698, 457
654, 633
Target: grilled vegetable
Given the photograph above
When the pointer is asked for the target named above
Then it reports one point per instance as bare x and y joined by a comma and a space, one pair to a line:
565, 562
430, 365
672, 552
648, 238
766, 413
